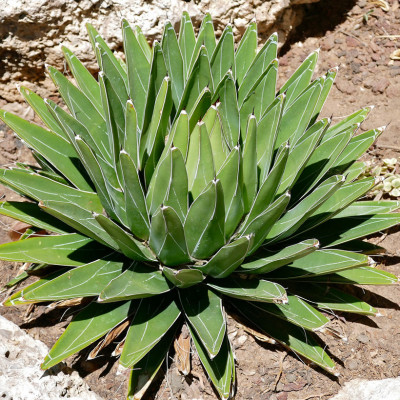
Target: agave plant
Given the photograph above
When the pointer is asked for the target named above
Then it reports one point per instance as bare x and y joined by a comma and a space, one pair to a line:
182, 182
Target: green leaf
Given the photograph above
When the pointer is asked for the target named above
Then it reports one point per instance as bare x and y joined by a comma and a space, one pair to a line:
300, 154
204, 225
145, 371
228, 110
143, 42
138, 67
173, 62
183, 278
199, 163
153, 318
266, 136
187, 41
329, 298
221, 368
291, 336
369, 208
135, 202
227, 259
320, 262
85, 80
246, 51
356, 118
231, 177
250, 289
295, 217
131, 136
357, 146
341, 230
31, 214
296, 311
55, 149
263, 223
259, 65
178, 136
83, 110
202, 104
167, 237
358, 276
266, 260
79, 219
297, 116
203, 308
84, 281
40, 108
68, 249
94, 321
299, 81
250, 164
128, 245
137, 282
354, 171
223, 57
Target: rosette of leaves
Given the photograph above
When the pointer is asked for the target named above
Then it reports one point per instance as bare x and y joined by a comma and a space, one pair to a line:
183, 181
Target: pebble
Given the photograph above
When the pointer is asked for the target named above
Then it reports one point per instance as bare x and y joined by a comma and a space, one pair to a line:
380, 86
363, 338
352, 42
352, 365
290, 378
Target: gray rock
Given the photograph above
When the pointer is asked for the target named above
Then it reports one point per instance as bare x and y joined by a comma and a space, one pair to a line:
32, 31
21, 377
361, 389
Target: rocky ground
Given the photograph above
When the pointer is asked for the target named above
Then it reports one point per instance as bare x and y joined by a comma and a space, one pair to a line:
359, 37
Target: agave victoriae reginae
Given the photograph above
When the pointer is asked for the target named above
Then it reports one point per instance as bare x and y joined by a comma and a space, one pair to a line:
183, 180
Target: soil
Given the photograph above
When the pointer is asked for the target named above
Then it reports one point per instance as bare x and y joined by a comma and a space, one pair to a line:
356, 36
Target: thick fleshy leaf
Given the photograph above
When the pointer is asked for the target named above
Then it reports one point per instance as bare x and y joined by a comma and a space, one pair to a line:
135, 203
178, 136
84, 281
204, 225
183, 278
138, 68
300, 79
153, 318
31, 214
146, 369
94, 321
167, 237
221, 368
87, 83
206, 37
40, 108
250, 289
291, 336
250, 164
332, 299
228, 110
341, 230
130, 142
223, 58
227, 259
217, 138
69, 249
199, 163
263, 223
58, 151
187, 41
296, 311
266, 260
203, 308
173, 62
200, 107
294, 218
128, 245
137, 282
358, 276
369, 208
320, 262
246, 51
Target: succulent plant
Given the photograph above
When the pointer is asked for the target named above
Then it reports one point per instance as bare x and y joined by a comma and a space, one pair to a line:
182, 182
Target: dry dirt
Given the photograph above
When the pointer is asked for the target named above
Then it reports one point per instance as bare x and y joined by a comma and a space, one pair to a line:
361, 47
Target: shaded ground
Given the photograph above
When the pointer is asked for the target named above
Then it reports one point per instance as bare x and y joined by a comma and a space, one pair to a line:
359, 42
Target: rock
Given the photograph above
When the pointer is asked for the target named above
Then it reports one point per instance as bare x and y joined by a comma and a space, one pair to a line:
345, 87
362, 389
352, 365
21, 377
393, 91
352, 42
363, 338
31, 37
380, 85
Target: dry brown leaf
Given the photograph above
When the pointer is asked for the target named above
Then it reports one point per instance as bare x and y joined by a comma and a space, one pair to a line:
108, 339
69, 303
182, 349
118, 350
383, 4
